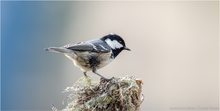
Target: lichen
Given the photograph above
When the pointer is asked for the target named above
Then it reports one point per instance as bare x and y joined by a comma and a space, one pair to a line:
117, 94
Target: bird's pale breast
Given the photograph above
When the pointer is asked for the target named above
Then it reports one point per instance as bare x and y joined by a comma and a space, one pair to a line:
86, 61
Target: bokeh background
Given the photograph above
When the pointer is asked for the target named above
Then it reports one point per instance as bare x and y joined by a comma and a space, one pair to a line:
174, 51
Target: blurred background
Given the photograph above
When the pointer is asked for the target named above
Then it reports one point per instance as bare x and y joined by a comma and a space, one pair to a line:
174, 51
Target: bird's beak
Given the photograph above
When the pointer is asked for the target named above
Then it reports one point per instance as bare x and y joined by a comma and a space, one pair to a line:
125, 48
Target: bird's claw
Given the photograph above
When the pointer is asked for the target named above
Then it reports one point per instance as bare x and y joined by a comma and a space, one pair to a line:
106, 79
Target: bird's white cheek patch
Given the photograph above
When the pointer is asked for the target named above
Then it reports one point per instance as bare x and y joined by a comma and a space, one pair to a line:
109, 42
113, 44
117, 44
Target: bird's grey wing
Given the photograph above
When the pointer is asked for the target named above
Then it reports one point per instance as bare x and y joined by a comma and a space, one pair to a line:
92, 46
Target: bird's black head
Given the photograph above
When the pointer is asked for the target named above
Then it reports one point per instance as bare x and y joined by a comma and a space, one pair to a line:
116, 43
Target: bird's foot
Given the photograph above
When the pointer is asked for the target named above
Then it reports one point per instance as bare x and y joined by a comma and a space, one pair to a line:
106, 79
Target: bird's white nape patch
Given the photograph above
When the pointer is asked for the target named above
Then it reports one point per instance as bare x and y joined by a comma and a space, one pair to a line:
113, 44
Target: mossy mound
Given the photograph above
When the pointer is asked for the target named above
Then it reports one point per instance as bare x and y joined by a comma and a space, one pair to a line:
117, 94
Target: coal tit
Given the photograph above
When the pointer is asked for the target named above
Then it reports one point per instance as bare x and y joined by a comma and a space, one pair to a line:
94, 54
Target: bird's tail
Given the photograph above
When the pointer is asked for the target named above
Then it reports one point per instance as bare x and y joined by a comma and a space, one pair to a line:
58, 50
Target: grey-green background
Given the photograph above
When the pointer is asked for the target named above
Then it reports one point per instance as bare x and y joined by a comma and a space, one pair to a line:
175, 51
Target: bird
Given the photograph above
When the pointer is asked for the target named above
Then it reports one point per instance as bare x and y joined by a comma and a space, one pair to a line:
93, 54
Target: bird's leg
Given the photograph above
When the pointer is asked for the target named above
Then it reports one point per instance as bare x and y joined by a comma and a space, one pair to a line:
94, 71
87, 79
85, 74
